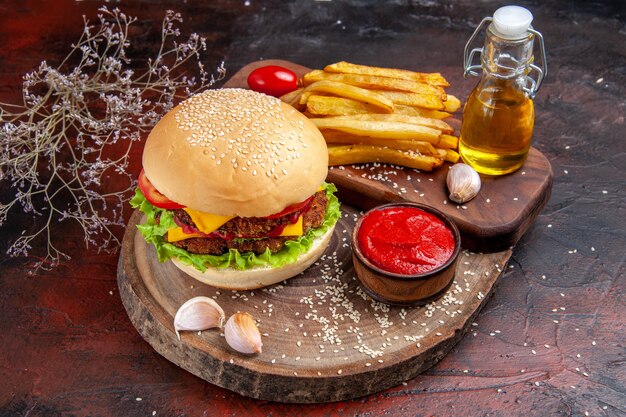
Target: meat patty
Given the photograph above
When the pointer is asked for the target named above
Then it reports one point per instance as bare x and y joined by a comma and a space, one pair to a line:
251, 226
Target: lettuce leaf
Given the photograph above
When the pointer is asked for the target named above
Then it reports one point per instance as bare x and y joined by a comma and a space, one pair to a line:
154, 232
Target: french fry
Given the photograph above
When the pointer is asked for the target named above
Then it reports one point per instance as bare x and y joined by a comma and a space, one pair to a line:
418, 111
448, 142
427, 101
402, 118
393, 130
293, 98
428, 78
451, 156
335, 137
336, 106
375, 82
452, 104
338, 89
357, 154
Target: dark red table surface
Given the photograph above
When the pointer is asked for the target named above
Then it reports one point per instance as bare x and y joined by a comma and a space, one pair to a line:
549, 343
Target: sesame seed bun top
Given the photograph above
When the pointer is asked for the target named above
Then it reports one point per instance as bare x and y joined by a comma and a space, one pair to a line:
235, 152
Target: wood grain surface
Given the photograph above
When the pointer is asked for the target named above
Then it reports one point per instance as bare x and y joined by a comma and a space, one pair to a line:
324, 339
493, 221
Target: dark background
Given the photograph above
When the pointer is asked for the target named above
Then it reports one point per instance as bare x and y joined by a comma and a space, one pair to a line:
68, 348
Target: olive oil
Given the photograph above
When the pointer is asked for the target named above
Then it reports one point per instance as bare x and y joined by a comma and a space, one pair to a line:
497, 128
499, 115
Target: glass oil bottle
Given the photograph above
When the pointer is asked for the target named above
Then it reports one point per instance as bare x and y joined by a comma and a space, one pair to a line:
499, 114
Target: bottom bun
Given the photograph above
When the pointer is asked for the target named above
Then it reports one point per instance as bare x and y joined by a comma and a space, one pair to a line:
234, 279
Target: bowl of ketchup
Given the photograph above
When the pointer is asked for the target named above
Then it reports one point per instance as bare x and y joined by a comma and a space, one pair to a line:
405, 253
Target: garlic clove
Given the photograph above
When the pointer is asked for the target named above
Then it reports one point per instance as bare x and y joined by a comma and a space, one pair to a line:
198, 313
463, 183
242, 334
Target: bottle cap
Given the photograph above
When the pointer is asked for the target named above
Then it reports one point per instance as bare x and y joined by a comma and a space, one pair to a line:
512, 22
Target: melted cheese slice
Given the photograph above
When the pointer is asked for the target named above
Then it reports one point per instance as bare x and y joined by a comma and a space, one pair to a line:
293, 229
175, 234
205, 222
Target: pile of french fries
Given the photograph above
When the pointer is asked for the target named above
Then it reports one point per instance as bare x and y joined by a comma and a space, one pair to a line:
373, 114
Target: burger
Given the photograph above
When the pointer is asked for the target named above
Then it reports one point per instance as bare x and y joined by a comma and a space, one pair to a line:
233, 189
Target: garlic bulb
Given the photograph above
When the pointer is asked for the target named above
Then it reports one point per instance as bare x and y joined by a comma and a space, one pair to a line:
242, 334
199, 313
463, 183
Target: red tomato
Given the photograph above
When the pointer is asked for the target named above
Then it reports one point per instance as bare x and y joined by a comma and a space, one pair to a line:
291, 209
273, 80
154, 196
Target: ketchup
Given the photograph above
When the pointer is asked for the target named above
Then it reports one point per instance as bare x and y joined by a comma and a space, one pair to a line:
405, 240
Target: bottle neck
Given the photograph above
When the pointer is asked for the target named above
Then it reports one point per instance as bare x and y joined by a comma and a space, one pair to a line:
507, 58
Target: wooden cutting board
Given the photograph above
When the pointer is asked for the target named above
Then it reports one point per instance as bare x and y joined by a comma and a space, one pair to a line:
323, 338
493, 221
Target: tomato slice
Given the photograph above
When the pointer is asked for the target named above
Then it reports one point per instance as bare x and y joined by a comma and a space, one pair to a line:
291, 209
273, 80
154, 196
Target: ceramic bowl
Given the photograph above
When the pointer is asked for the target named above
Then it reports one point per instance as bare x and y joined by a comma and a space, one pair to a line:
399, 289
